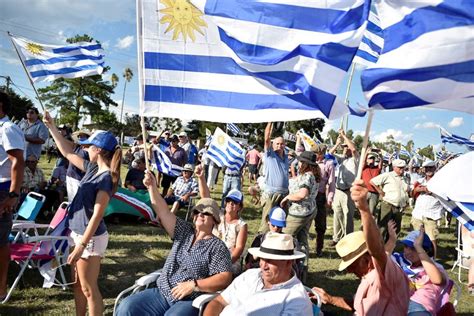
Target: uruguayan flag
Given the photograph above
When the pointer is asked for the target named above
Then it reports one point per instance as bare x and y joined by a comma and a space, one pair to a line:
233, 129
49, 62
224, 151
446, 137
163, 164
372, 42
247, 60
427, 57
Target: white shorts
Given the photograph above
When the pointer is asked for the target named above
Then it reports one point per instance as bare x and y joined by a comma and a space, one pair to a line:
95, 247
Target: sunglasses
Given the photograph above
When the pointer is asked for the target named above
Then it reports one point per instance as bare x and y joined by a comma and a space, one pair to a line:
232, 202
196, 212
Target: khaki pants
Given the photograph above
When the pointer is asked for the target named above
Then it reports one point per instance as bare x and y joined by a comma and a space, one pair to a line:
299, 227
431, 228
389, 212
269, 200
344, 209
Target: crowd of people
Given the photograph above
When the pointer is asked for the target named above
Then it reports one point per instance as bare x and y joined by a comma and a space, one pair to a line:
294, 189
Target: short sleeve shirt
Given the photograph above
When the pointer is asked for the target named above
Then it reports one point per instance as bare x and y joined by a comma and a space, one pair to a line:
394, 187
11, 137
81, 208
135, 177
33, 180
346, 172
187, 262
276, 172
181, 186
37, 129
306, 206
73, 171
426, 292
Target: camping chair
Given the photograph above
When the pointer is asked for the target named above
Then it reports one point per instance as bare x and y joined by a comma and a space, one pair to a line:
36, 249
190, 206
448, 308
462, 256
30, 207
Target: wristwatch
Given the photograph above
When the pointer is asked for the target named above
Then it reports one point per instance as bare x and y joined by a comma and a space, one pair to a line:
13, 195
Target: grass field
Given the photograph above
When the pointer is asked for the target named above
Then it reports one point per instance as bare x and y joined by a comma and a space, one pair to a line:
136, 249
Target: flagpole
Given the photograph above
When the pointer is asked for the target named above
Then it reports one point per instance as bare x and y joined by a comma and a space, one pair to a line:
26, 71
140, 79
364, 145
345, 118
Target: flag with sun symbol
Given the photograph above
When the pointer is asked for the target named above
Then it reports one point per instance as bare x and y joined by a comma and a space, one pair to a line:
49, 62
245, 61
224, 151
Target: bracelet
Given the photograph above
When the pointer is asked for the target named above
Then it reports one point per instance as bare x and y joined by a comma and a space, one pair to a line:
84, 245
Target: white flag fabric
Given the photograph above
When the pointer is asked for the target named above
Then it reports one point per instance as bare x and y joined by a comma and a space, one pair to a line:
246, 61
372, 42
49, 62
224, 151
427, 57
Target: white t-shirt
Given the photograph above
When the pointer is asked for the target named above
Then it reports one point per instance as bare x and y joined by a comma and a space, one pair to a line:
11, 137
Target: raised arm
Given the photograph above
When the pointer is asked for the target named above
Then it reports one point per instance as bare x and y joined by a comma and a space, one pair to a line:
203, 188
349, 143
65, 147
392, 237
371, 231
268, 136
433, 272
167, 219
334, 148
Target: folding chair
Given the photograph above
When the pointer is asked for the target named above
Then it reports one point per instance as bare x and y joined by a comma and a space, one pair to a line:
30, 207
447, 308
35, 249
462, 256
191, 202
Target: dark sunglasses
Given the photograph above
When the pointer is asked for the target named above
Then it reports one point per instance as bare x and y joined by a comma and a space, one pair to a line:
196, 212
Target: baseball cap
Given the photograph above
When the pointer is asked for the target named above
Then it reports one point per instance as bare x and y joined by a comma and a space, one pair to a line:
182, 134
410, 239
235, 195
101, 139
277, 217
188, 167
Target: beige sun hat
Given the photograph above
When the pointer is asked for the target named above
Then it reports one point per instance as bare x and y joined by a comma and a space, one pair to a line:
209, 206
277, 247
350, 248
85, 131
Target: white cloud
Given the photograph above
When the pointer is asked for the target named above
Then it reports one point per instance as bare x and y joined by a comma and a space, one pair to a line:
398, 135
456, 122
426, 125
125, 42
105, 45
9, 56
328, 126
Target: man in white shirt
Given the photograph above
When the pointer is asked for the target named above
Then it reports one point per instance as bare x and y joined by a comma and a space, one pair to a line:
273, 289
12, 164
428, 209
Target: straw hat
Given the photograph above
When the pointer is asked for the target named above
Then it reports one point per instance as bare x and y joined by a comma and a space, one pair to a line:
350, 248
277, 247
209, 206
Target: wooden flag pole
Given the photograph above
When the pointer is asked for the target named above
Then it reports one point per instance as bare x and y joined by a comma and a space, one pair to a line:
364, 144
26, 71
145, 145
345, 118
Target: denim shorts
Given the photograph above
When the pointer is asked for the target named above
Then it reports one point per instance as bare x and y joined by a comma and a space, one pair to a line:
416, 309
95, 247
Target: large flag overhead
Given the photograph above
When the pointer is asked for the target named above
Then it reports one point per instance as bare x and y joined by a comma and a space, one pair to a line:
427, 58
49, 62
372, 42
246, 60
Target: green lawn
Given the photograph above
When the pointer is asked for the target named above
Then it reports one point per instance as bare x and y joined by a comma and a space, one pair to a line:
137, 249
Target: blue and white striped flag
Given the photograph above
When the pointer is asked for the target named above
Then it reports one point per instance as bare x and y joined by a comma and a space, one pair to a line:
427, 58
372, 42
447, 137
224, 151
233, 128
49, 62
247, 60
163, 164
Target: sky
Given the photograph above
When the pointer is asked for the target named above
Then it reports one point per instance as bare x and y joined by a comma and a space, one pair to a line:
113, 23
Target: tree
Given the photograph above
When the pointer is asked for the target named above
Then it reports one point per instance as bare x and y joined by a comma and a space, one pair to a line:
114, 79
132, 126
162, 124
128, 75
19, 104
312, 127
75, 98
427, 152
193, 129
332, 136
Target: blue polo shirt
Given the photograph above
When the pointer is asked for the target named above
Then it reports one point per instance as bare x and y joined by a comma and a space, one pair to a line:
276, 172
73, 171
82, 206
37, 129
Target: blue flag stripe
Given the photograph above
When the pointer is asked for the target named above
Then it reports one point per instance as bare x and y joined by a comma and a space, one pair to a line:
287, 16
371, 44
367, 56
67, 49
51, 61
63, 71
456, 12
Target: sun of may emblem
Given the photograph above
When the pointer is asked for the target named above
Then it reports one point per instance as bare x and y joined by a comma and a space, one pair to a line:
183, 18
221, 140
34, 48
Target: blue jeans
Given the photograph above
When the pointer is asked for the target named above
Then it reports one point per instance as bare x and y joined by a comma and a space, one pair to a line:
230, 183
416, 309
152, 302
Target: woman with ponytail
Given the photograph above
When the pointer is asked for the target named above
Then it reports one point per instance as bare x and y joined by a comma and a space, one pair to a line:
85, 213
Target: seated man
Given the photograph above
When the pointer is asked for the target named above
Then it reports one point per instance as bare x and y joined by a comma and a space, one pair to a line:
182, 189
135, 175
384, 288
273, 289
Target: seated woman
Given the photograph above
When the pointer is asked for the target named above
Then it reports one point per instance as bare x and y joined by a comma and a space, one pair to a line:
198, 261
428, 278
233, 230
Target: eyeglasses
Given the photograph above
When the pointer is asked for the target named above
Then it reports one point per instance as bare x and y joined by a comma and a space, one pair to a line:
196, 212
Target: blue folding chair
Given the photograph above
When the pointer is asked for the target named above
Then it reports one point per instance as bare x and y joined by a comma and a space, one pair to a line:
28, 211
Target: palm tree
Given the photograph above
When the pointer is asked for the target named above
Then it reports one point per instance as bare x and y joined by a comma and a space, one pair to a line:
114, 79
128, 75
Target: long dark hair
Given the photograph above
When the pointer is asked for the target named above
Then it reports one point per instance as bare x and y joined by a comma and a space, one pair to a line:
305, 167
114, 160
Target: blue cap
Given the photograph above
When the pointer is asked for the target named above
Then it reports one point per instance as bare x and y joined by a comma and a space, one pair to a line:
102, 139
410, 239
277, 217
235, 195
